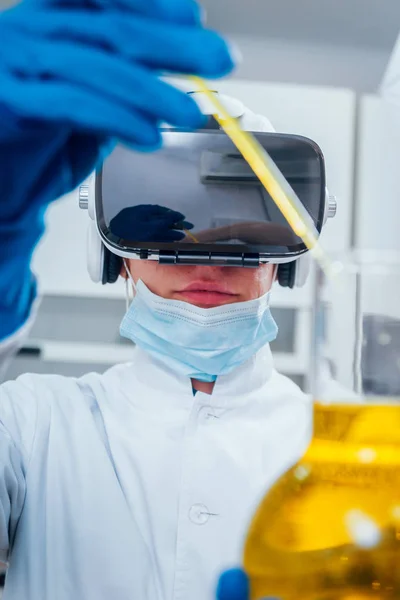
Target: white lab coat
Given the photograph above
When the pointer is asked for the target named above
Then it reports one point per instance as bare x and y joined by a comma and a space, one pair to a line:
124, 486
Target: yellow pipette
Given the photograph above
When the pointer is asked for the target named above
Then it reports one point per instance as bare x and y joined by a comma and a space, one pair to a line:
272, 179
196, 241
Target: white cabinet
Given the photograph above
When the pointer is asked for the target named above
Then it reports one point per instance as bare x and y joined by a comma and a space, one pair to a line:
377, 209
377, 206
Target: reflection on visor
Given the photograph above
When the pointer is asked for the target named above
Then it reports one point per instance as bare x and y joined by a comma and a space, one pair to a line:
198, 190
152, 223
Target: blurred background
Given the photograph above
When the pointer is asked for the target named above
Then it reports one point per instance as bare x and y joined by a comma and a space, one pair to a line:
314, 68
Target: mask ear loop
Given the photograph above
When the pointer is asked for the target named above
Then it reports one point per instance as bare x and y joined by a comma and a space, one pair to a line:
274, 278
127, 299
128, 279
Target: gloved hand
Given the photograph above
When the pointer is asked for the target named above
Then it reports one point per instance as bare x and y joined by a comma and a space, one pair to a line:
233, 585
149, 223
74, 75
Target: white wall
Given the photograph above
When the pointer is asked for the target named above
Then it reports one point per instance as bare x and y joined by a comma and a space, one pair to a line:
378, 189
282, 60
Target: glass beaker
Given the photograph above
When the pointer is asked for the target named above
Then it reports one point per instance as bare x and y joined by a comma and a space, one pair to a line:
329, 529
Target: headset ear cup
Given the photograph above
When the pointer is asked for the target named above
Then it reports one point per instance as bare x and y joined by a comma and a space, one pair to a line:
303, 265
112, 265
287, 274
102, 264
295, 273
95, 253
91, 196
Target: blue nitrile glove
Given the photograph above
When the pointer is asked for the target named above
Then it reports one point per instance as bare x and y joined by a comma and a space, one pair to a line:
74, 75
149, 223
234, 585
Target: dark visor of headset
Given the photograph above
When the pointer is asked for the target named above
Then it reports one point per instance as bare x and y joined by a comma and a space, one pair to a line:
198, 194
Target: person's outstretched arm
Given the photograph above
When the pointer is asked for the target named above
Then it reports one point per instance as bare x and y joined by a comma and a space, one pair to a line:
75, 76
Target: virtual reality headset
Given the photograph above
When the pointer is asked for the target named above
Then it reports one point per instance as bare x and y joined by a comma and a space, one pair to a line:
197, 202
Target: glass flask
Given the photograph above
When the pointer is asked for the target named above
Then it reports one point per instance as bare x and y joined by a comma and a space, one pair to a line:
329, 529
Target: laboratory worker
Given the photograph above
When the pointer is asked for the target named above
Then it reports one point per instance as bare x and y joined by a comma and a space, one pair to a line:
140, 483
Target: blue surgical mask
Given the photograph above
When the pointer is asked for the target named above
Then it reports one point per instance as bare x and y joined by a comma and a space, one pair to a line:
199, 343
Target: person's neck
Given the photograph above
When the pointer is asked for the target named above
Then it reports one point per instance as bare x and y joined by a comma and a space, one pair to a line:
203, 386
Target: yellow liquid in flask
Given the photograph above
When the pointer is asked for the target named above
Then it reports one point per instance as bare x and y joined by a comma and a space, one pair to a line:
329, 529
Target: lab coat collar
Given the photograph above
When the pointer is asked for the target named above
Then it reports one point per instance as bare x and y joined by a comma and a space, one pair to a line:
246, 379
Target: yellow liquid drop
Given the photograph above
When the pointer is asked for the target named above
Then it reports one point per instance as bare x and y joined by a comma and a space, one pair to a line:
329, 529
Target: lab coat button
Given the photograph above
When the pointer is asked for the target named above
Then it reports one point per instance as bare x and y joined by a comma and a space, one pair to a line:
206, 413
199, 514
